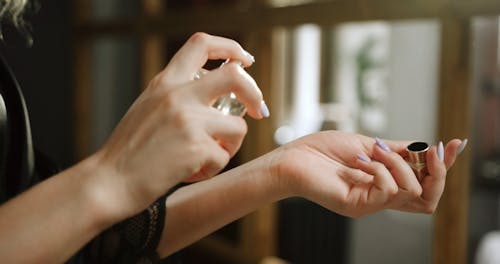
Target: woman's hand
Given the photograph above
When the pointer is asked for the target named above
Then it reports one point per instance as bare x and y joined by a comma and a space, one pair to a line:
321, 167
326, 168
171, 132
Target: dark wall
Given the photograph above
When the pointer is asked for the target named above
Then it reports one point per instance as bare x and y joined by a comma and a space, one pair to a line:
44, 73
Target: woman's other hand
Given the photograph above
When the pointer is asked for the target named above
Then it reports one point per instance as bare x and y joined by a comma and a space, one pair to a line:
352, 175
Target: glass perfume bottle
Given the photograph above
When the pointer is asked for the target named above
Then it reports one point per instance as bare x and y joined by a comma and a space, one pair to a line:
228, 104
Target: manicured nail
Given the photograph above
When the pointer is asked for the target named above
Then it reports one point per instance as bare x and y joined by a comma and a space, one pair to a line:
263, 109
363, 158
382, 144
462, 146
250, 56
239, 63
440, 151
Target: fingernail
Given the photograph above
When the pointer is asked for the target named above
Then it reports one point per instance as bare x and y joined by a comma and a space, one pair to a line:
263, 109
363, 158
462, 146
382, 144
440, 151
250, 56
238, 63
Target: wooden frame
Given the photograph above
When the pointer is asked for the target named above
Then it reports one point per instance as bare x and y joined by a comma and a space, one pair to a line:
454, 15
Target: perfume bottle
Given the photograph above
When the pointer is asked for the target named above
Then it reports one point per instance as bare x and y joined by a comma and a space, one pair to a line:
228, 104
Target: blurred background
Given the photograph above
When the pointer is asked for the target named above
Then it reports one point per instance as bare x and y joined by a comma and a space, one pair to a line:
425, 70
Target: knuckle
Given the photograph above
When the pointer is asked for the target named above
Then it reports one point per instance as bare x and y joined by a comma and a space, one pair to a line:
345, 201
192, 135
223, 160
415, 192
160, 81
168, 100
199, 38
392, 190
219, 160
195, 150
378, 167
241, 128
181, 121
233, 72
182, 118
174, 98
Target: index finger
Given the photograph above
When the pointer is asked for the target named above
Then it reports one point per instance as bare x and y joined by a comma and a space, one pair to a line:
398, 146
231, 78
198, 49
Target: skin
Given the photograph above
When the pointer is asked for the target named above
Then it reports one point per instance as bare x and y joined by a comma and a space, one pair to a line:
172, 134
323, 168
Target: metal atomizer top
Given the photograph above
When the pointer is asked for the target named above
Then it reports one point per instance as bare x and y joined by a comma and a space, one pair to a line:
417, 152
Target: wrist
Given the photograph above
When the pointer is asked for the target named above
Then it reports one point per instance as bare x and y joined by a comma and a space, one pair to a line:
283, 181
100, 192
288, 172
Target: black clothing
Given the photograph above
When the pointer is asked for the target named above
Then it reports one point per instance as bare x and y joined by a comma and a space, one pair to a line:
131, 241
16, 149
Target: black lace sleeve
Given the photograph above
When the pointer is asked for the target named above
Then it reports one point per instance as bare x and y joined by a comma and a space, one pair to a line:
143, 232
132, 241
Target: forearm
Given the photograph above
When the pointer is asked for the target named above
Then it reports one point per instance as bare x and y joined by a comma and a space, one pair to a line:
51, 221
199, 209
